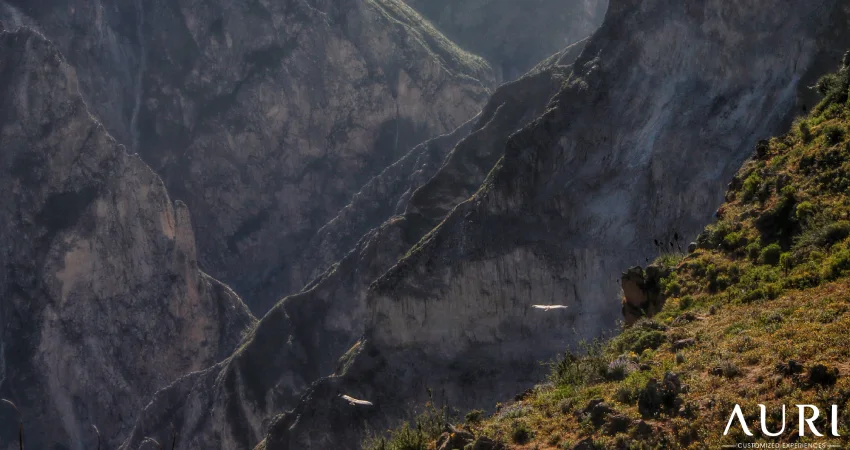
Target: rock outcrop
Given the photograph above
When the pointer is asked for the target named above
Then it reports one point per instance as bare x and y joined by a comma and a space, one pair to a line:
642, 292
664, 104
102, 299
265, 116
514, 36
322, 326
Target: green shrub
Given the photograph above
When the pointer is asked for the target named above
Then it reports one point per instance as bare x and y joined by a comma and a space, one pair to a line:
402, 438
805, 132
834, 134
771, 318
824, 236
717, 233
753, 250
670, 260
734, 240
779, 223
786, 262
686, 302
834, 233
837, 265
729, 369
582, 370
773, 290
805, 210
771, 254
832, 111
429, 425
804, 280
520, 433
767, 291
834, 88
566, 405
629, 389
474, 416
644, 335
670, 286
649, 340
625, 395
828, 316
754, 295
751, 186
788, 191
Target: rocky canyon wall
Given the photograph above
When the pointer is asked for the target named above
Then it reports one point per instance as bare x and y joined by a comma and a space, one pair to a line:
264, 117
514, 36
664, 104
304, 337
103, 300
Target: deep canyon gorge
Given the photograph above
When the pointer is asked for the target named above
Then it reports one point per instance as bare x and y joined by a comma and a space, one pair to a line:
221, 217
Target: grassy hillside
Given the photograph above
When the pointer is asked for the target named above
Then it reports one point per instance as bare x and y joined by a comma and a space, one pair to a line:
757, 313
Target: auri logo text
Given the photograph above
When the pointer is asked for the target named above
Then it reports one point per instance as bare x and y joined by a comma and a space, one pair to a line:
807, 414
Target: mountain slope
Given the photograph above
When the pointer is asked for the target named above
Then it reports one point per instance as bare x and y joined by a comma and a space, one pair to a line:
320, 324
664, 103
428, 182
514, 36
756, 314
103, 301
582, 191
264, 140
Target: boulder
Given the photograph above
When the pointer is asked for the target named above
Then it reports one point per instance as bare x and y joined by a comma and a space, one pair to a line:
684, 343
821, 375
642, 429
596, 410
790, 368
656, 398
642, 293
485, 443
586, 444
457, 439
617, 423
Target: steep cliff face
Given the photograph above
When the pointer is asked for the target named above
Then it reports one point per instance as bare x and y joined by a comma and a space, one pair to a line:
100, 40
663, 104
103, 301
321, 325
264, 117
512, 35
774, 267
635, 147
428, 182
662, 107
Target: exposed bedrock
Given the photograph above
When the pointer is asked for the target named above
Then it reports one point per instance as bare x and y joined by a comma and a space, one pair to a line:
662, 107
514, 35
263, 116
103, 302
310, 335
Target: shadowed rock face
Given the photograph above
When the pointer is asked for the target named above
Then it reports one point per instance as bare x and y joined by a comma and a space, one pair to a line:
102, 299
311, 335
513, 35
264, 116
663, 105
660, 110
424, 185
